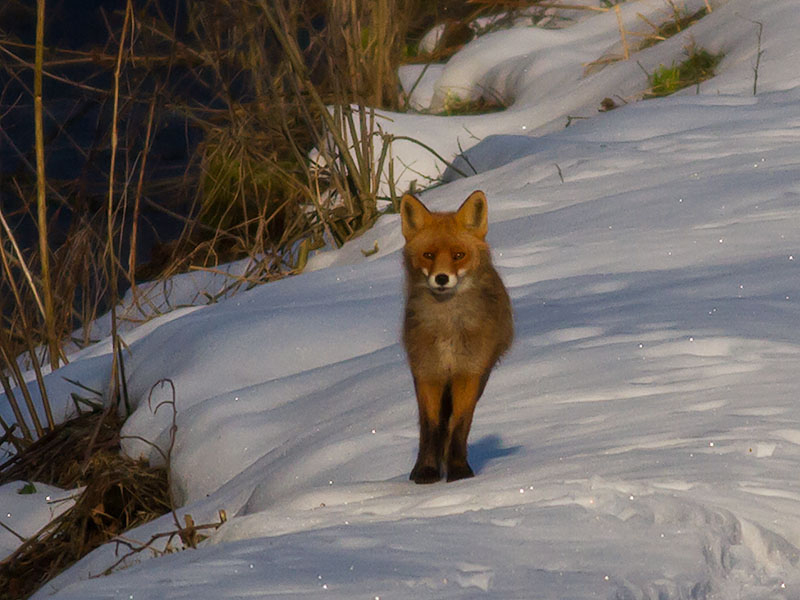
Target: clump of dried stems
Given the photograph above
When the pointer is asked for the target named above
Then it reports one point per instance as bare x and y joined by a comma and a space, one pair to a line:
254, 86
118, 494
260, 84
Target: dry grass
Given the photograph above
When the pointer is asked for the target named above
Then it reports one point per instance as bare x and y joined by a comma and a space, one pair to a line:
119, 494
677, 19
680, 20
252, 81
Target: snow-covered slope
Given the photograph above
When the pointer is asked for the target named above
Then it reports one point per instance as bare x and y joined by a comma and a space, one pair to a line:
641, 439
546, 76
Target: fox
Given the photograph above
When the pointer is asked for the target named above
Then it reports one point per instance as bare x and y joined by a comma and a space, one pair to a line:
457, 324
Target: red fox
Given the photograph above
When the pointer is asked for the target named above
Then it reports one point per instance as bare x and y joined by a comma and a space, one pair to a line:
457, 325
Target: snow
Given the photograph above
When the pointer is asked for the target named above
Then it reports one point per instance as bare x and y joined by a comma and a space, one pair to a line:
26, 510
548, 75
641, 439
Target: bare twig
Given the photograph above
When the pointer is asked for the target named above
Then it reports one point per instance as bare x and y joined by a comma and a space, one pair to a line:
571, 118
165, 454
465, 158
186, 532
759, 51
432, 151
189, 531
33, 539
560, 174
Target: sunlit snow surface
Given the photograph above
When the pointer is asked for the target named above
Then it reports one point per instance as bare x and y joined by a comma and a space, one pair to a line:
642, 438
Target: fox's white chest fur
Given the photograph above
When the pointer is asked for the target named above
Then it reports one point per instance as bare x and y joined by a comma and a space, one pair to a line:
452, 335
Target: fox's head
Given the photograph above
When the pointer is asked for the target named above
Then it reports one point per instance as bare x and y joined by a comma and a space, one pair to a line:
444, 247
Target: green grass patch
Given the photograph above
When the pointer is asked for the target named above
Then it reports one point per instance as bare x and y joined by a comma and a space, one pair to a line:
455, 105
698, 66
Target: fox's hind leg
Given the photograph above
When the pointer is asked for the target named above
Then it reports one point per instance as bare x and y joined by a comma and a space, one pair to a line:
467, 390
432, 396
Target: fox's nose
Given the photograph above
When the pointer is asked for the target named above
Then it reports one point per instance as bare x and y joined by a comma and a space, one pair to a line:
442, 279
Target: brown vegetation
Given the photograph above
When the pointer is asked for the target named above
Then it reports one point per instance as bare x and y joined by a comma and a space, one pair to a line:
119, 494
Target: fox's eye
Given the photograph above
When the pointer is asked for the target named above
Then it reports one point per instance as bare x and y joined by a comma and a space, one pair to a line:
428, 255
458, 255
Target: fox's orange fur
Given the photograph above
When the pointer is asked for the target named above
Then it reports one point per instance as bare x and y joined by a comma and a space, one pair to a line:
457, 325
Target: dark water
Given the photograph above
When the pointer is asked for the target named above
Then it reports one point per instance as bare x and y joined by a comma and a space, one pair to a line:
77, 124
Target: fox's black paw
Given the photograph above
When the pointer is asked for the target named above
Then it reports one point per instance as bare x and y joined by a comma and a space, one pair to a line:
425, 474
456, 472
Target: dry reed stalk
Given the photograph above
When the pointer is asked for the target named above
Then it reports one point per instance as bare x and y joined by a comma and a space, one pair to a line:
280, 25
625, 49
41, 200
345, 146
9, 358
21, 263
9, 436
652, 25
277, 108
545, 4
575, 7
28, 65
16, 373
137, 200
112, 263
14, 403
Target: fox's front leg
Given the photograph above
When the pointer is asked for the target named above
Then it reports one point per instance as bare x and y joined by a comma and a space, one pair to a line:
428, 468
466, 391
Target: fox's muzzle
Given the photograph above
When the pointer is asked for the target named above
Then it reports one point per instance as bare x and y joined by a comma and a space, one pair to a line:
442, 283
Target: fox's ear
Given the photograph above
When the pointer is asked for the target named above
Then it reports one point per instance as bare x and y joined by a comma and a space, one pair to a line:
414, 215
473, 214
